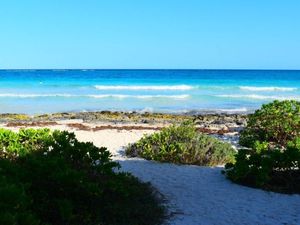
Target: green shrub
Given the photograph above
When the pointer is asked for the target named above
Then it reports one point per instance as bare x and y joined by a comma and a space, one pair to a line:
275, 123
184, 145
52, 178
271, 169
272, 160
14, 202
27, 140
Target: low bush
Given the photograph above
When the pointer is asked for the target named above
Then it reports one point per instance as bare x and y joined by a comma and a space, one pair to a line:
52, 178
182, 144
272, 169
272, 159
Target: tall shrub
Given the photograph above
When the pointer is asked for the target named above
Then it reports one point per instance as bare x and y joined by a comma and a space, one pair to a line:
272, 159
275, 123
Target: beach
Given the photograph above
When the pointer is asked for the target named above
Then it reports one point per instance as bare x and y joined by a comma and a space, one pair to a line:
115, 108
149, 113
192, 194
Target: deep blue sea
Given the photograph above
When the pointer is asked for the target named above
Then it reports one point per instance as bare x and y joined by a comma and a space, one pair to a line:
175, 91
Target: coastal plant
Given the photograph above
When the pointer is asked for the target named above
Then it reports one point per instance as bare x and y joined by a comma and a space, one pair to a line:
275, 123
18, 144
51, 178
271, 169
271, 160
182, 144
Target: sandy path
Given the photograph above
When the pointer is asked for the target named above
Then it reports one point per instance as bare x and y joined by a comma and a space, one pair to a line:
200, 195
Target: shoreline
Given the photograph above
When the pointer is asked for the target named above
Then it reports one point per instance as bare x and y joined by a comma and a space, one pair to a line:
123, 116
225, 127
208, 123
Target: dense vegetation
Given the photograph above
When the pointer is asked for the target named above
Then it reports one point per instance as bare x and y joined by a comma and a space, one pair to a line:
276, 124
272, 159
182, 144
52, 178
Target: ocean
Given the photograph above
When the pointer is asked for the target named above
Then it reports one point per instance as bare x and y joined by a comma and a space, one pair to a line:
170, 91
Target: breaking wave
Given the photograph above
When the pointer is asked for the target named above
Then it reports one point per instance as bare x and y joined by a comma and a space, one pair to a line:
139, 96
93, 96
144, 87
253, 88
261, 97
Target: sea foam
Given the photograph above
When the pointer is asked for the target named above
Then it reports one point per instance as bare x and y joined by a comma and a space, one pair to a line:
254, 88
260, 97
139, 96
236, 110
120, 96
144, 87
35, 95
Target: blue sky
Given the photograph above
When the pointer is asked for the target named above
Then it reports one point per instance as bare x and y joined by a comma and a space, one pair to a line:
211, 34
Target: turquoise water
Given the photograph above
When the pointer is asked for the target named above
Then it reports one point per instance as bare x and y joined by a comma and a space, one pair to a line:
175, 91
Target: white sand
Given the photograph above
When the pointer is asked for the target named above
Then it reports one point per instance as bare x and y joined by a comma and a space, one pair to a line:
199, 195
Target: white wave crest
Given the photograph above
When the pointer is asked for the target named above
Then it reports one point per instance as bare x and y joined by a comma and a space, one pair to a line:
147, 110
244, 109
253, 88
261, 97
140, 96
35, 95
144, 87
93, 96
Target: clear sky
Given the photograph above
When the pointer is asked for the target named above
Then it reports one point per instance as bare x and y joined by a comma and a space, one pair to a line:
211, 34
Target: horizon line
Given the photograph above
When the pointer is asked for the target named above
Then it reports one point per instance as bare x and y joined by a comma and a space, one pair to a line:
2, 69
